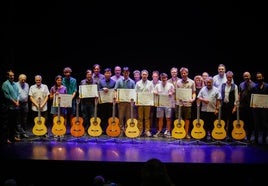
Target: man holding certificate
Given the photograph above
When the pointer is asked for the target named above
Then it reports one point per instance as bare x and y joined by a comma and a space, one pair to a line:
124, 97
165, 93
144, 101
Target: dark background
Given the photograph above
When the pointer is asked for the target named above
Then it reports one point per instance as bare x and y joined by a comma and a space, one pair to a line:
42, 37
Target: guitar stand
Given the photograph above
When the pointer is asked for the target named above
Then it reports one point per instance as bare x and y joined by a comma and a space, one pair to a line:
93, 140
219, 142
238, 142
131, 140
39, 138
176, 141
197, 142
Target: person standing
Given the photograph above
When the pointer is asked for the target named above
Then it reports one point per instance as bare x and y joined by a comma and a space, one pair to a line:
55, 90
87, 104
210, 99
71, 84
106, 85
23, 109
155, 81
39, 94
143, 111
124, 108
244, 91
11, 101
229, 95
117, 73
186, 83
260, 115
165, 88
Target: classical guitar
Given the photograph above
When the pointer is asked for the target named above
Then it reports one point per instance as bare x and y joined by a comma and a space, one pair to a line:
219, 131
238, 132
39, 128
198, 131
95, 129
132, 130
113, 128
77, 128
58, 128
178, 132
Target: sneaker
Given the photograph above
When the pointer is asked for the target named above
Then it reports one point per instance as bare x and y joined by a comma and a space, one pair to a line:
167, 134
188, 136
16, 138
25, 135
157, 134
148, 134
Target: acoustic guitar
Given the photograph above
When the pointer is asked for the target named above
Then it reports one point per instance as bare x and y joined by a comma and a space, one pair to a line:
238, 132
178, 132
77, 128
113, 128
39, 128
219, 131
132, 130
198, 131
95, 129
58, 128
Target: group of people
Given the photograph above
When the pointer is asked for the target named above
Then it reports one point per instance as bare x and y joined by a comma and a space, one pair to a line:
177, 97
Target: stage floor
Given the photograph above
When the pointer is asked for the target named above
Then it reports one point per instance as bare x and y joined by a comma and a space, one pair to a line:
120, 157
141, 149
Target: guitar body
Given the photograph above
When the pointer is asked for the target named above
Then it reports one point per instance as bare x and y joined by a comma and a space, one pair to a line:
39, 128
219, 131
198, 131
58, 127
77, 128
238, 132
94, 129
178, 132
113, 129
132, 130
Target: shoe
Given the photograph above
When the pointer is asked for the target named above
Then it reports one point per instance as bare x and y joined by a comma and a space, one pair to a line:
157, 134
167, 134
16, 138
25, 136
9, 142
148, 134
188, 136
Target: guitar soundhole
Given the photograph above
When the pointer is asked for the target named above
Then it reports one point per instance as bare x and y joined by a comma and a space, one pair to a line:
179, 125
219, 125
95, 123
198, 125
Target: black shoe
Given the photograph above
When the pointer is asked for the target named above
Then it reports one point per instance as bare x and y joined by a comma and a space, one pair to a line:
25, 136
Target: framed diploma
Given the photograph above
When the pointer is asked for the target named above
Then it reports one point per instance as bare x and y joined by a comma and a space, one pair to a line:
106, 97
259, 101
65, 100
183, 94
145, 99
125, 95
88, 91
165, 101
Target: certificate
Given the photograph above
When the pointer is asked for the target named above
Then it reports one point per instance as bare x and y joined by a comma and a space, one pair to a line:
183, 94
62, 100
125, 95
145, 99
259, 101
106, 97
165, 101
88, 91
